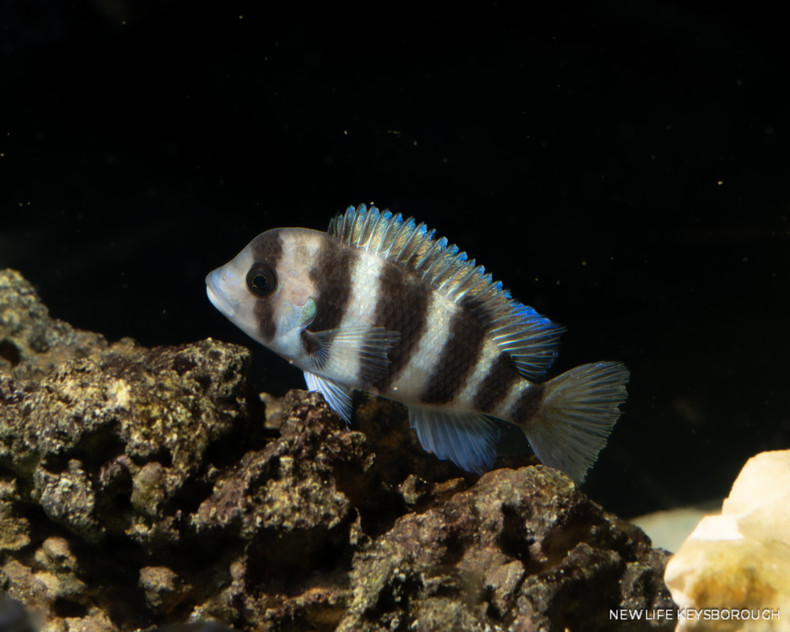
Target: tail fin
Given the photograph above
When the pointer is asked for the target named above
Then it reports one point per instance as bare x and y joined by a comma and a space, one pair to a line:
579, 410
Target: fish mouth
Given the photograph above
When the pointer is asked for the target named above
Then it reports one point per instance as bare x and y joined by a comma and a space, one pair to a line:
214, 281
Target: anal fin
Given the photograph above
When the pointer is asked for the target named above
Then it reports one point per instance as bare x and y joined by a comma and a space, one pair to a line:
467, 439
338, 398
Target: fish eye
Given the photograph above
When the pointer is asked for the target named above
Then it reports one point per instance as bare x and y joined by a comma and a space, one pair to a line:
261, 279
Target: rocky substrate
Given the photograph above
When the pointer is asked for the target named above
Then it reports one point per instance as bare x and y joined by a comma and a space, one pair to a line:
143, 489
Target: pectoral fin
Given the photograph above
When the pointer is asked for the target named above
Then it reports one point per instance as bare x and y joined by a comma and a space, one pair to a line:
355, 355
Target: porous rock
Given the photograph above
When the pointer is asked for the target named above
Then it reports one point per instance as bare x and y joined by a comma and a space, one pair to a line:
84, 435
141, 489
520, 550
99, 445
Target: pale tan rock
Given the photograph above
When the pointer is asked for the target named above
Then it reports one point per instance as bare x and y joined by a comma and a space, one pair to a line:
733, 571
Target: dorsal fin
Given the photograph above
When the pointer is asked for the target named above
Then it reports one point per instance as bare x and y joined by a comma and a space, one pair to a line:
529, 338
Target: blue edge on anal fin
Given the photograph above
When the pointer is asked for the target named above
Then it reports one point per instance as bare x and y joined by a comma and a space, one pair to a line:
467, 439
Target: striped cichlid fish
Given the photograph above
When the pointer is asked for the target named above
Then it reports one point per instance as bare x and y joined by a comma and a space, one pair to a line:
377, 303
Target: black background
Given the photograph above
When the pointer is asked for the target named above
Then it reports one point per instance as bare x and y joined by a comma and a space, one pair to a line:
621, 166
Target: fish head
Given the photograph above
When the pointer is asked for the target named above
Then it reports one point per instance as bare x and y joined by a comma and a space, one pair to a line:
266, 290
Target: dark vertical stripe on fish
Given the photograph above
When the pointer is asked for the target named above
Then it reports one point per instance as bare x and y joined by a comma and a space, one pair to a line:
402, 306
266, 248
528, 403
460, 354
332, 274
496, 384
